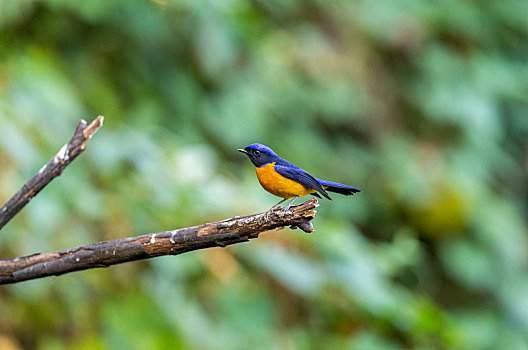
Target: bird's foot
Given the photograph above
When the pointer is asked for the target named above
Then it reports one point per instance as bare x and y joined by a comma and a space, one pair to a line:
289, 205
272, 208
267, 214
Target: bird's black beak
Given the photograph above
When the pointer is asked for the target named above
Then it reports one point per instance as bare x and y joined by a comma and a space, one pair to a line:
242, 150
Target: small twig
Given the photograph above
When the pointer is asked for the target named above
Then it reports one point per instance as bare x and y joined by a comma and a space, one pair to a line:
104, 254
51, 170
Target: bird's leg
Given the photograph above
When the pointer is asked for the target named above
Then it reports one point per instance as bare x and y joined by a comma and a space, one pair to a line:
289, 205
275, 206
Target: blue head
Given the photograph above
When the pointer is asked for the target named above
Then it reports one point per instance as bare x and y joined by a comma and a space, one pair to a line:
260, 154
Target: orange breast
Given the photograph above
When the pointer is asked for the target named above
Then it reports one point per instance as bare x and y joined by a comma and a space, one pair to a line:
278, 185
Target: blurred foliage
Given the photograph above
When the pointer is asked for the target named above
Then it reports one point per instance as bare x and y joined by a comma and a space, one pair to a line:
422, 104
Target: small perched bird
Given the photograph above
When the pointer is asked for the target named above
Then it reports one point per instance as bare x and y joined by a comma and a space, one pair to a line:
286, 180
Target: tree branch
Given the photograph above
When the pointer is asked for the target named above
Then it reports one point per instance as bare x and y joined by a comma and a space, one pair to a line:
103, 254
51, 170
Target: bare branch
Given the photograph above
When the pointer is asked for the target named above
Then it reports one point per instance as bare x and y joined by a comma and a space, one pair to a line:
103, 254
51, 170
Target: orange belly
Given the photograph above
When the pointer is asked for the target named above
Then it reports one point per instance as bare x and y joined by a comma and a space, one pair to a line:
278, 185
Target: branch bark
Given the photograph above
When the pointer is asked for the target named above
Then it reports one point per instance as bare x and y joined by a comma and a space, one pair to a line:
51, 170
103, 254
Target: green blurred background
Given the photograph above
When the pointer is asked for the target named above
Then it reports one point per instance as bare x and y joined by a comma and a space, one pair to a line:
422, 104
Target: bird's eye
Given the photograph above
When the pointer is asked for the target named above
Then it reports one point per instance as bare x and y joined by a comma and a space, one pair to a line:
256, 152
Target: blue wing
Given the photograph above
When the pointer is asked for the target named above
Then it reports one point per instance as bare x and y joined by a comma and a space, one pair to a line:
299, 175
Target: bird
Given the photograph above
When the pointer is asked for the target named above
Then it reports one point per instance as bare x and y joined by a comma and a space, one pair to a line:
286, 180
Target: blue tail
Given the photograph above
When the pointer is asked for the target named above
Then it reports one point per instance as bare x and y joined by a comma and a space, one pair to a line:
338, 188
